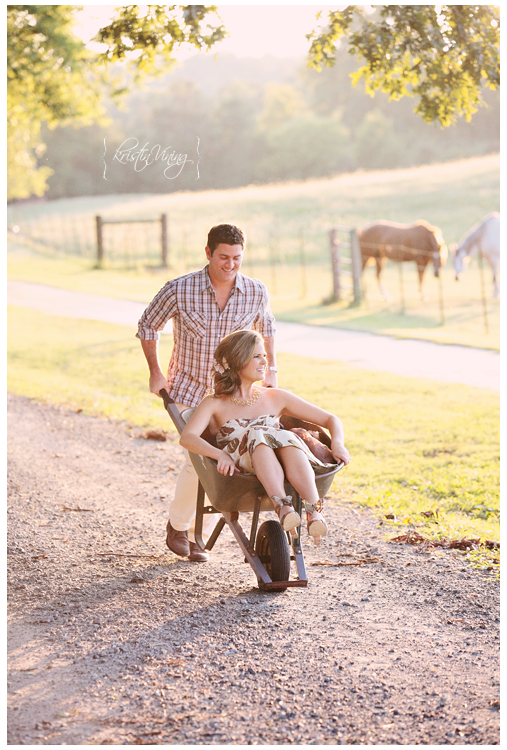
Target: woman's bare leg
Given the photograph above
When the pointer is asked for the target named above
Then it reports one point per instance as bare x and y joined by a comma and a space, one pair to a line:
300, 474
269, 471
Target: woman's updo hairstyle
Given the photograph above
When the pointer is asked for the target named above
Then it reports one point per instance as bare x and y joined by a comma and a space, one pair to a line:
232, 354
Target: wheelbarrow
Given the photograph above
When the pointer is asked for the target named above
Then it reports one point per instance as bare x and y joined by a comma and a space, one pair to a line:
268, 549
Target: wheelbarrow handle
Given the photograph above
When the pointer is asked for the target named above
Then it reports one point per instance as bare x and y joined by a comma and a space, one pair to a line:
172, 410
166, 397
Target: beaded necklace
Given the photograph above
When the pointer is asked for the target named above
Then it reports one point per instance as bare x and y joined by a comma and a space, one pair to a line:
256, 394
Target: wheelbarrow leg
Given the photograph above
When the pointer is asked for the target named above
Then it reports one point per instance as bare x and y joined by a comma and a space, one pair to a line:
216, 533
255, 522
200, 511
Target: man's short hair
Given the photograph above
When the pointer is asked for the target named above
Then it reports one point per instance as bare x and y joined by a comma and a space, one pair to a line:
227, 234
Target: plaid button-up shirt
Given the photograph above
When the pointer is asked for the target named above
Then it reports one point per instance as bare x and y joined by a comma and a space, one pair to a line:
199, 325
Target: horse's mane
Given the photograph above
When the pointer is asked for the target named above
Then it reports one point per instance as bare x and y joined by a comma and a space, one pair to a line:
439, 239
470, 238
423, 223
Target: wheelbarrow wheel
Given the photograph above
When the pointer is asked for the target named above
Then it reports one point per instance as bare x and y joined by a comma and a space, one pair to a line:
273, 550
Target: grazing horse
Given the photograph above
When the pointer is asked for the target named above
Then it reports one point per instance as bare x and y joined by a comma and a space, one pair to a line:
482, 238
419, 242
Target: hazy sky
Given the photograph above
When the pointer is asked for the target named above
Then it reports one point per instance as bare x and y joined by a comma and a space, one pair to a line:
255, 30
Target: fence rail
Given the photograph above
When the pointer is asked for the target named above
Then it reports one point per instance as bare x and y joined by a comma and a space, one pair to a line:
302, 261
100, 222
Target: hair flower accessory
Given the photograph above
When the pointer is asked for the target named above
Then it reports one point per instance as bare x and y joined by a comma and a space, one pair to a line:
221, 368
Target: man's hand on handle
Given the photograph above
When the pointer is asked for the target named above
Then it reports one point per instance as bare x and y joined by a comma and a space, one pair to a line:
157, 382
157, 379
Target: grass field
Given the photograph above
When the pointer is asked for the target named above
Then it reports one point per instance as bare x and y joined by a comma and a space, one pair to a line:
465, 321
280, 220
451, 195
417, 446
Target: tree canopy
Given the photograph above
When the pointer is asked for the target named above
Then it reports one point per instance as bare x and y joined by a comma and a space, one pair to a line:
53, 78
252, 133
444, 54
150, 36
47, 81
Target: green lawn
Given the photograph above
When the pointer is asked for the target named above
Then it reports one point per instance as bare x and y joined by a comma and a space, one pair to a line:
416, 445
464, 320
282, 221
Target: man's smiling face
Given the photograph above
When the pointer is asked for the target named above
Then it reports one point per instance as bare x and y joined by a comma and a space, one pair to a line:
225, 262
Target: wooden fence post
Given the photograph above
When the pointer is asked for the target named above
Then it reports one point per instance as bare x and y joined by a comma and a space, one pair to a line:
355, 254
100, 244
334, 245
164, 237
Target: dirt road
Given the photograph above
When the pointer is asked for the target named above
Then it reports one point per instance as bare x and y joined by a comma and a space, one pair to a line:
114, 640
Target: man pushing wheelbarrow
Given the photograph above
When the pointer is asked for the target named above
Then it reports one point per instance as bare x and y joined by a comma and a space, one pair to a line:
243, 422
204, 307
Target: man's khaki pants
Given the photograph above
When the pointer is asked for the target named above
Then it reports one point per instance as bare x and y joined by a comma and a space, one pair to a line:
182, 508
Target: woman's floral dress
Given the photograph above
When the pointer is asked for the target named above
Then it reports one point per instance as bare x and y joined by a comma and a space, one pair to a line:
240, 437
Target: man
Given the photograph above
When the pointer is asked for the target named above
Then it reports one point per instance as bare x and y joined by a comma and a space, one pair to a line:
204, 306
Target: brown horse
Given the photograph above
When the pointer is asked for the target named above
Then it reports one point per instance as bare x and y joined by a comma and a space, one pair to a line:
419, 242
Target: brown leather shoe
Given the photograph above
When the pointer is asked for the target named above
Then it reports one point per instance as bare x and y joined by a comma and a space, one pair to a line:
197, 554
177, 541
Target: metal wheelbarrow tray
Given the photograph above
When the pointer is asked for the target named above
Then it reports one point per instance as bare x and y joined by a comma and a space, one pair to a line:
268, 548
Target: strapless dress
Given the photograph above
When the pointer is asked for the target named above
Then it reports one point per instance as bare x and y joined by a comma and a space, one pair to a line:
240, 437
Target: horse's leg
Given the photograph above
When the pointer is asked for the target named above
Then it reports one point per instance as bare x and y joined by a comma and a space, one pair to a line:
381, 262
420, 271
495, 267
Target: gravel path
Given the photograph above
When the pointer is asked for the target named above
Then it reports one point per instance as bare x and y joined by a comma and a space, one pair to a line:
114, 640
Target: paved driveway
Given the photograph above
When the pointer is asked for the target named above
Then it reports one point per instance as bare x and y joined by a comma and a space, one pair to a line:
407, 357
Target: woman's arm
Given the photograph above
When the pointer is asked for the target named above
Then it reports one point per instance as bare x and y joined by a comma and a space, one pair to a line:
294, 406
191, 439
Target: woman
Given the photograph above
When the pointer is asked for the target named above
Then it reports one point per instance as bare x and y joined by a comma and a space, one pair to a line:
243, 419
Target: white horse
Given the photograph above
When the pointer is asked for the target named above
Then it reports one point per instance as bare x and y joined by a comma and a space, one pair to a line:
483, 238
